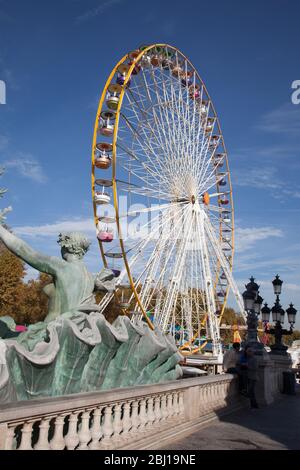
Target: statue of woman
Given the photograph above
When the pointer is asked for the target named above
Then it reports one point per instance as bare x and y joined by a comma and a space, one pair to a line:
73, 286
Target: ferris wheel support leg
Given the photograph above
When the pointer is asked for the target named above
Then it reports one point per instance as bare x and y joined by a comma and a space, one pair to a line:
209, 293
226, 268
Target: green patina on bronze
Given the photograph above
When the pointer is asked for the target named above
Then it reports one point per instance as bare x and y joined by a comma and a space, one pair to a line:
75, 349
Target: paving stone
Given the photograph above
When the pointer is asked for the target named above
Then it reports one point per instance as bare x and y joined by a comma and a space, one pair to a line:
275, 427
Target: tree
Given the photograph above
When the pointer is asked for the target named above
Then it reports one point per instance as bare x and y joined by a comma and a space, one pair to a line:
231, 317
288, 340
12, 271
25, 302
34, 303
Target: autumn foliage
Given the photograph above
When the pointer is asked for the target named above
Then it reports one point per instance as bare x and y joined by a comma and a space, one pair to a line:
24, 301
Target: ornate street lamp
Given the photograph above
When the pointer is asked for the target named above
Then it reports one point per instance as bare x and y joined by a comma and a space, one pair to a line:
278, 318
252, 304
249, 299
277, 285
252, 286
257, 304
277, 312
265, 314
291, 313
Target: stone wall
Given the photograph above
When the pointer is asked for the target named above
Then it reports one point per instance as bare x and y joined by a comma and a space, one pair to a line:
138, 417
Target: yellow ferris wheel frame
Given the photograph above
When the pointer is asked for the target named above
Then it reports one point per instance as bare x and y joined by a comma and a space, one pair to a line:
114, 182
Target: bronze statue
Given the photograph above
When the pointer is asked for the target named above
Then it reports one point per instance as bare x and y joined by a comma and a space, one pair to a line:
73, 285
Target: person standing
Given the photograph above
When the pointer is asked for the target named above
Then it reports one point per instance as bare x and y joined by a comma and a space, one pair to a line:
231, 359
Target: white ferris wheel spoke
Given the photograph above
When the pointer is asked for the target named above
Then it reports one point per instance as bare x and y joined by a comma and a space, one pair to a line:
178, 248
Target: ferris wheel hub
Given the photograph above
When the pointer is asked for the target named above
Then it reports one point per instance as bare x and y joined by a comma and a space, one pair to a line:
164, 149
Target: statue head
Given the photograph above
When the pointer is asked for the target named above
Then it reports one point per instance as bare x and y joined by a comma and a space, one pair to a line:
73, 245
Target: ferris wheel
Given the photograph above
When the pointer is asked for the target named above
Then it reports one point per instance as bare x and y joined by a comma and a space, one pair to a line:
162, 196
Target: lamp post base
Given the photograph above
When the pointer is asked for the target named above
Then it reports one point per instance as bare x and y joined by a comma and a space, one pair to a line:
257, 347
279, 349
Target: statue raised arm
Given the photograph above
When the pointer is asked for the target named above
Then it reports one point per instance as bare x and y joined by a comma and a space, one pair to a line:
39, 261
73, 285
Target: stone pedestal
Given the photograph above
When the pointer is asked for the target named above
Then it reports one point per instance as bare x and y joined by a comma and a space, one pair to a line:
264, 394
270, 376
282, 362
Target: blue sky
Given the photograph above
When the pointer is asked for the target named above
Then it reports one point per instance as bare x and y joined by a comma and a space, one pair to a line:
55, 58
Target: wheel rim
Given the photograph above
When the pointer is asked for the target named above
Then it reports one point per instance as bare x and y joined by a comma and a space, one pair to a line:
156, 81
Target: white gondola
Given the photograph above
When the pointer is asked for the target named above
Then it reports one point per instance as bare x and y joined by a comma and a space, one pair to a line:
106, 219
122, 73
168, 150
209, 125
101, 198
106, 123
124, 299
214, 141
105, 235
113, 97
203, 108
102, 157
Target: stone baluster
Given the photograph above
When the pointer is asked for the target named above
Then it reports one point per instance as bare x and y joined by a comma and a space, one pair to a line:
170, 408
201, 400
181, 405
117, 424
163, 407
150, 413
208, 398
211, 397
84, 432
127, 424
58, 442
71, 438
43, 440
96, 430
107, 428
10, 435
143, 416
176, 405
157, 411
221, 395
226, 391
215, 397
26, 436
135, 417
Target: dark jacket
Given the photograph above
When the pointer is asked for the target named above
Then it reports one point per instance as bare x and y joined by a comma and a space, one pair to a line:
5, 332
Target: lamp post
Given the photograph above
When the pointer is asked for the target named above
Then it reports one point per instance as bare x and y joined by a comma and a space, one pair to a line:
278, 315
252, 304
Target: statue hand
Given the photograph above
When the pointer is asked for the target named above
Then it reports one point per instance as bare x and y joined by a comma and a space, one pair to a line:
3, 213
105, 280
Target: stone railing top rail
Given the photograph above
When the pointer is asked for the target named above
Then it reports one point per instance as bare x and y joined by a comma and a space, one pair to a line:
12, 412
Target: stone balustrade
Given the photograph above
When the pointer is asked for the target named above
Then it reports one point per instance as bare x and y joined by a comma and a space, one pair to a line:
132, 418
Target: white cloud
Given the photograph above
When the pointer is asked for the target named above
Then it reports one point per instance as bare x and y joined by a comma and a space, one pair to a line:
257, 178
46, 230
265, 178
246, 238
3, 142
256, 153
285, 119
90, 14
26, 165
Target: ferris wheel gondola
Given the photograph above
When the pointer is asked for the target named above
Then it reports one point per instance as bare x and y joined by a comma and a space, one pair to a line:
159, 145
